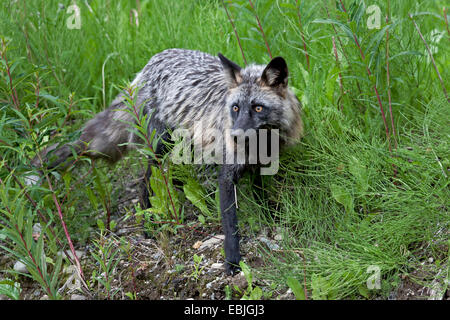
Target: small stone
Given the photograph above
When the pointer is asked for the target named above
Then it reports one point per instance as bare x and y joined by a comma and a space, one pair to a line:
19, 266
197, 245
269, 244
79, 253
31, 180
279, 234
44, 297
288, 295
217, 265
77, 297
37, 228
157, 256
212, 242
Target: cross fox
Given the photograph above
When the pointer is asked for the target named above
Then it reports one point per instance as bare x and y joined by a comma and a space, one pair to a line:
190, 89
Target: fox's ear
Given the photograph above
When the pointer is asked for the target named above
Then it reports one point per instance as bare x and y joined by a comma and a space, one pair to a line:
232, 71
276, 73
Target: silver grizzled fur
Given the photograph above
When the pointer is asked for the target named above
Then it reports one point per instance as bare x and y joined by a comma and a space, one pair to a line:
184, 89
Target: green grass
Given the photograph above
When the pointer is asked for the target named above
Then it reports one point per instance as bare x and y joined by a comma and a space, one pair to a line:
346, 202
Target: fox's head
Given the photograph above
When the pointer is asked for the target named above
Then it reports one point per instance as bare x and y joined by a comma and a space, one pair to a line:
259, 98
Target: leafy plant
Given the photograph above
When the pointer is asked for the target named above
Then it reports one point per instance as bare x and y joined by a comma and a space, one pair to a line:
107, 255
321, 288
197, 267
16, 221
10, 288
296, 288
251, 293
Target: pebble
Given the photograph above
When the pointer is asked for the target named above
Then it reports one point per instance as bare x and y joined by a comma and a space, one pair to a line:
212, 242
288, 295
31, 180
210, 284
197, 245
157, 255
278, 237
279, 234
217, 265
268, 243
37, 228
19, 266
79, 253
77, 297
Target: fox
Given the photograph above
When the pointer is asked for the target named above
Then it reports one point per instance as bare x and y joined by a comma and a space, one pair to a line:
188, 89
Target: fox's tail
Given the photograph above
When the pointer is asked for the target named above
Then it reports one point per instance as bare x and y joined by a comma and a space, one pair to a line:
105, 136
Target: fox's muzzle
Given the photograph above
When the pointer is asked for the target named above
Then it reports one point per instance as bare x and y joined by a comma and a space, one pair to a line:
242, 123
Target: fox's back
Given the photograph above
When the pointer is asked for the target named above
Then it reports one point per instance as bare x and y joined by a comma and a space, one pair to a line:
180, 87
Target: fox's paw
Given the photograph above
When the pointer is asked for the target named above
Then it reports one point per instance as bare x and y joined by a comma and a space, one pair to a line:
232, 269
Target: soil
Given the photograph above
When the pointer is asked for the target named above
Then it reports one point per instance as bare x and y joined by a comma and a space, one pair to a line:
162, 268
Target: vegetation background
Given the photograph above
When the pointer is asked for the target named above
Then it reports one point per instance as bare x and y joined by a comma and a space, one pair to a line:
358, 210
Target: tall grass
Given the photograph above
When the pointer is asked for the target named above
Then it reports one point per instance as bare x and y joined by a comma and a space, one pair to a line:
367, 186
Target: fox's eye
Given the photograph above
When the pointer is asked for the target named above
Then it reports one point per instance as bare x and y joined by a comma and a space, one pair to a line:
235, 108
258, 108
